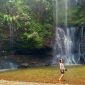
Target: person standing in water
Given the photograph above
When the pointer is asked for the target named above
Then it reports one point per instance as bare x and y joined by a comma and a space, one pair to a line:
62, 69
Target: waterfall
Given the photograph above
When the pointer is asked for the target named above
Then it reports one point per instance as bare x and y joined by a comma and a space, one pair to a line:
64, 43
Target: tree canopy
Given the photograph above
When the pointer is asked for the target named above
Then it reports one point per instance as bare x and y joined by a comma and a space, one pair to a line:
26, 23
77, 14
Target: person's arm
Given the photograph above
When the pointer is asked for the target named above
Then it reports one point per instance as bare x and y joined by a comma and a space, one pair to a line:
64, 66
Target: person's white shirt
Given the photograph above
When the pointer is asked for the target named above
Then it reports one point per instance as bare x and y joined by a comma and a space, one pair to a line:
62, 66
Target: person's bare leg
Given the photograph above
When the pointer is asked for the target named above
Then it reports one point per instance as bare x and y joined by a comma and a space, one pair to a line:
61, 77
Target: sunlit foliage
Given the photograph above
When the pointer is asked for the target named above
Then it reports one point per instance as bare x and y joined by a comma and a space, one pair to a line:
30, 21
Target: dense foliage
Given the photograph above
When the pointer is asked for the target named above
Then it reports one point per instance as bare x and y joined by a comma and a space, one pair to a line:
77, 14
28, 23
25, 23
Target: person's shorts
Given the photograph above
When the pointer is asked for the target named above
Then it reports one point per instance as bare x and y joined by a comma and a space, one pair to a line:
62, 71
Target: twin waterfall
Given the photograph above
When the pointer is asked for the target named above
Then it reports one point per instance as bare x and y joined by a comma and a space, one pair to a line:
65, 37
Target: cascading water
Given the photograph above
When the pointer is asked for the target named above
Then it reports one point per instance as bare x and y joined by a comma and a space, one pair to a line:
64, 44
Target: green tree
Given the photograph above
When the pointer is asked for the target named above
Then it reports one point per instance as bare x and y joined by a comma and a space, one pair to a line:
78, 14
29, 22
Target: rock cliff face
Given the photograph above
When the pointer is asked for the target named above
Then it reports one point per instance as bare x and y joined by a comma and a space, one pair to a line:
48, 42
82, 45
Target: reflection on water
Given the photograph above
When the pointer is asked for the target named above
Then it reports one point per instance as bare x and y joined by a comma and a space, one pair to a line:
8, 64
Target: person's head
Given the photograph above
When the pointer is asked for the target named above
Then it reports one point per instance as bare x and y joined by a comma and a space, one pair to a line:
61, 61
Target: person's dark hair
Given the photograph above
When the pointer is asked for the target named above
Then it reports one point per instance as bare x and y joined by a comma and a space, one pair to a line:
60, 60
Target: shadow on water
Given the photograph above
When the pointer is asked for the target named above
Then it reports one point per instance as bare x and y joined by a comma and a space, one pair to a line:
8, 64
25, 59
